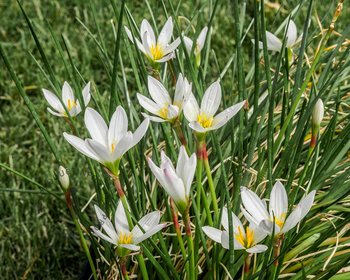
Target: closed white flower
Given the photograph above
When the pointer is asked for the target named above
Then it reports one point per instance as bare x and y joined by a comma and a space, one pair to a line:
203, 119
255, 209
176, 182
107, 144
157, 50
199, 44
68, 99
161, 104
318, 112
120, 234
243, 238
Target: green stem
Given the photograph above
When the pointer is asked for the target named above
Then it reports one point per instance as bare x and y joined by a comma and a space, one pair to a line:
211, 186
192, 268
81, 235
246, 266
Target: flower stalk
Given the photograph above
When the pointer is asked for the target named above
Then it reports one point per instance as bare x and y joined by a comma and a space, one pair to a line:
246, 266
187, 222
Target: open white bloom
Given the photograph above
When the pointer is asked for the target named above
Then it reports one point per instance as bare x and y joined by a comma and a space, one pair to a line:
255, 209
202, 119
244, 238
275, 44
108, 144
72, 104
318, 112
199, 44
162, 105
176, 182
159, 50
120, 234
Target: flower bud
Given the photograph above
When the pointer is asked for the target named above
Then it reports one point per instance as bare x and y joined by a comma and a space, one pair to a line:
63, 177
317, 113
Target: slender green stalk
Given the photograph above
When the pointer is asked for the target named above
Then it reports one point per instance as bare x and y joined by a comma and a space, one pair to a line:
190, 246
246, 266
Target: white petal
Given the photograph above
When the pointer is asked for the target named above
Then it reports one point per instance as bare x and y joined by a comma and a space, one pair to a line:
259, 231
172, 46
251, 219
147, 28
186, 168
122, 146
235, 221
149, 233
117, 127
188, 44
106, 223
96, 126
67, 93
55, 113
254, 205
291, 34
278, 201
153, 118
165, 161
257, 249
158, 92
86, 94
131, 38
201, 38
213, 233
191, 108
225, 242
197, 127
100, 150
173, 184
166, 57
211, 99
173, 112
130, 247
98, 233
148, 104
53, 100
292, 220
81, 146
273, 43
120, 219
306, 203
166, 33
140, 132
146, 223
222, 118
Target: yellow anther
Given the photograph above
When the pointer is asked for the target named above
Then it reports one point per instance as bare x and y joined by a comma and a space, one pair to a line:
125, 238
113, 147
71, 104
280, 220
204, 120
163, 113
246, 241
157, 52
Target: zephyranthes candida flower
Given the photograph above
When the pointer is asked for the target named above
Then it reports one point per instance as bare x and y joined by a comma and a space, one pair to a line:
275, 44
120, 234
159, 50
176, 182
255, 209
243, 238
107, 144
318, 113
199, 44
68, 99
162, 105
203, 119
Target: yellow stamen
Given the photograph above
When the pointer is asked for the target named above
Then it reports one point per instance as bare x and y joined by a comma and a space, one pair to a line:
246, 241
204, 120
157, 52
163, 113
280, 220
125, 238
113, 147
71, 104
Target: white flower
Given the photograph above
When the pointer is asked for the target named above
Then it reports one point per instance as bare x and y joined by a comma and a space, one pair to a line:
120, 234
72, 104
108, 144
255, 209
162, 105
246, 239
318, 112
176, 182
159, 50
199, 44
202, 119
275, 44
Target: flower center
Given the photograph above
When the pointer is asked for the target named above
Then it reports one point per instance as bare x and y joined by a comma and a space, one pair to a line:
125, 238
70, 104
157, 52
246, 241
163, 113
204, 120
280, 220
113, 147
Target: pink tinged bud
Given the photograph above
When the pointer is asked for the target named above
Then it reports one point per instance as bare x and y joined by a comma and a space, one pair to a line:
317, 113
63, 177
